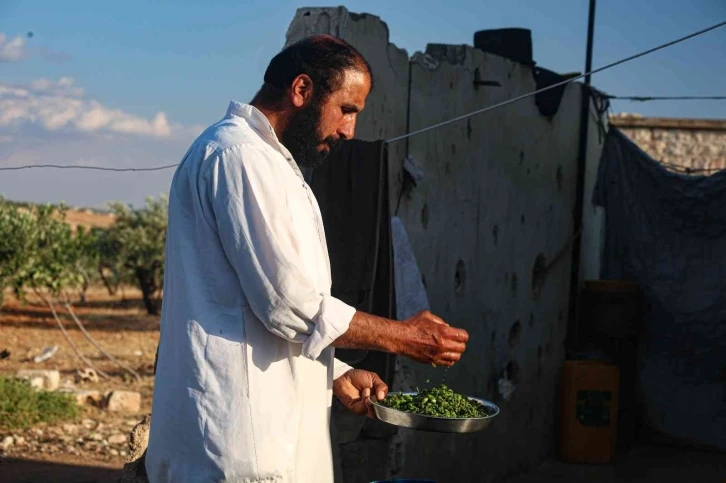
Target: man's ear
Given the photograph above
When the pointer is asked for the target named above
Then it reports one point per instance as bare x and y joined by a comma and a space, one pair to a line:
301, 90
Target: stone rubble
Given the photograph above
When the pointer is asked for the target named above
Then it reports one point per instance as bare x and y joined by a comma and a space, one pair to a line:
40, 378
124, 401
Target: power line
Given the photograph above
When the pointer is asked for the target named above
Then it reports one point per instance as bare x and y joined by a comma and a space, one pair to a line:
558, 84
435, 126
77, 166
666, 98
688, 170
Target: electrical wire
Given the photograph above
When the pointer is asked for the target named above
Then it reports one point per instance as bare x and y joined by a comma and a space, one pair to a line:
689, 170
667, 98
558, 84
434, 126
77, 166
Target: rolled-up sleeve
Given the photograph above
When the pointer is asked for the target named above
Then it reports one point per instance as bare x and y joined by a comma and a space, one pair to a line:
253, 221
340, 368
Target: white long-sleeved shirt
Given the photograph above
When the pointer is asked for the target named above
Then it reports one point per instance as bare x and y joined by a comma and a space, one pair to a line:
245, 368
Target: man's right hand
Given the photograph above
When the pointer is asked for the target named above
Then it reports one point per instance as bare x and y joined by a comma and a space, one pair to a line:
424, 337
430, 340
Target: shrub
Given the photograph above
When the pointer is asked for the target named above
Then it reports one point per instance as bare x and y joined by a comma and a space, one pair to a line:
21, 405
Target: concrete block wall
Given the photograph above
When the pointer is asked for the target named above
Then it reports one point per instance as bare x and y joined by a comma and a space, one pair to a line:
680, 142
497, 200
692, 148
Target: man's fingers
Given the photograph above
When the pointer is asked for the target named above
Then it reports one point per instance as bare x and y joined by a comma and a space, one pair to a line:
380, 389
448, 358
451, 346
446, 363
459, 335
357, 405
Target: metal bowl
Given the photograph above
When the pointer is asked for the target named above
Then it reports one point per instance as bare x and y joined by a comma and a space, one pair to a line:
432, 423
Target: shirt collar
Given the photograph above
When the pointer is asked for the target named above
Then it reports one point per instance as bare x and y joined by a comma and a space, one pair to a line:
261, 124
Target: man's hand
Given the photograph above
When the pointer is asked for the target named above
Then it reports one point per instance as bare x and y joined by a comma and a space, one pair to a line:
355, 386
433, 341
424, 337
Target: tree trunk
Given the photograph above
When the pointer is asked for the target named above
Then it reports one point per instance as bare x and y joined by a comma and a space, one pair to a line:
149, 288
107, 283
84, 285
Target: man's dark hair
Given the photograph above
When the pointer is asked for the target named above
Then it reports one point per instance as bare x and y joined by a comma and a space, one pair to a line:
323, 58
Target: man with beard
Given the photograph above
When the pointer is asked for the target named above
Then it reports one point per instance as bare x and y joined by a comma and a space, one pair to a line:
246, 368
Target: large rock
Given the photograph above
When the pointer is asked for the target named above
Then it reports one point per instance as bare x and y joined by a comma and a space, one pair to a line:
7, 442
124, 402
117, 439
41, 378
84, 397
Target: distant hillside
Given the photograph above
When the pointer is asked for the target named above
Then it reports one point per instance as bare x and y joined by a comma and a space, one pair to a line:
76, 216
89, 218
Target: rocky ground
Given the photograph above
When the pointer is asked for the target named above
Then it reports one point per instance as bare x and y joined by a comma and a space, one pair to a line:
90, 439
109, 407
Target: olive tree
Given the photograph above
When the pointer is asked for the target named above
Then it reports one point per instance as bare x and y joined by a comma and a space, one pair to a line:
17, 228
56, 262
139, 236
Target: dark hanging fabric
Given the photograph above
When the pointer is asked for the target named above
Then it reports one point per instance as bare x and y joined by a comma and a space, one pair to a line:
667, 233
351, 187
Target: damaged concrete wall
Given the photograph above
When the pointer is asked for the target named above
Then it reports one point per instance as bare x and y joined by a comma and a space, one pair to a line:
496, 202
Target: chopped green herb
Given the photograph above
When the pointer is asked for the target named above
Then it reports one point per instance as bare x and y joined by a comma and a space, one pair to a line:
440, 402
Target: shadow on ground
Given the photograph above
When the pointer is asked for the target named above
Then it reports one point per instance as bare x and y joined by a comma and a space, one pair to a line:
644, 464
30, 471
35, 319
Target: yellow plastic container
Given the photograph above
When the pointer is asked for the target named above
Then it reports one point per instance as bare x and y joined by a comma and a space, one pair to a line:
588, 412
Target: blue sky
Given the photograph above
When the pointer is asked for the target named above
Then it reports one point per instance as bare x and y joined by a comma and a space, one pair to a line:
152, 72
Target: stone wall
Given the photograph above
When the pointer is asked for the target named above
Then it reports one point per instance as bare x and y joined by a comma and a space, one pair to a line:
693, 144
496, 201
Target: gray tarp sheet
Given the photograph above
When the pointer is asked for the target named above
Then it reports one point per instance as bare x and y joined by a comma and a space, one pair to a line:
667, 232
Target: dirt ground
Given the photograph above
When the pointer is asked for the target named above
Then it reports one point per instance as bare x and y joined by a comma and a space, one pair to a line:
92, 447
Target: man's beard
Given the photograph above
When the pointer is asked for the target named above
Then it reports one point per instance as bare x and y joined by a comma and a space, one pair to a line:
302, 136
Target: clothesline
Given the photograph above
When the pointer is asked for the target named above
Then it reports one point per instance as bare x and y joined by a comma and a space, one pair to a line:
434, 126
666, 98
77, 166
558, 84
687, 169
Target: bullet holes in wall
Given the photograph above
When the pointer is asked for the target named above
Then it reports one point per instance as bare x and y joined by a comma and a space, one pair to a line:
460, 277
515, 334
539, 274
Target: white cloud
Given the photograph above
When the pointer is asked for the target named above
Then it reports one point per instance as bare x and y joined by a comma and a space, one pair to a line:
53, 122
63, 87
12, 49
17, 48
33, 145
60, 106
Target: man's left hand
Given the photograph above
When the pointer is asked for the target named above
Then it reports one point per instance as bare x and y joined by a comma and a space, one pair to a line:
355, 387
